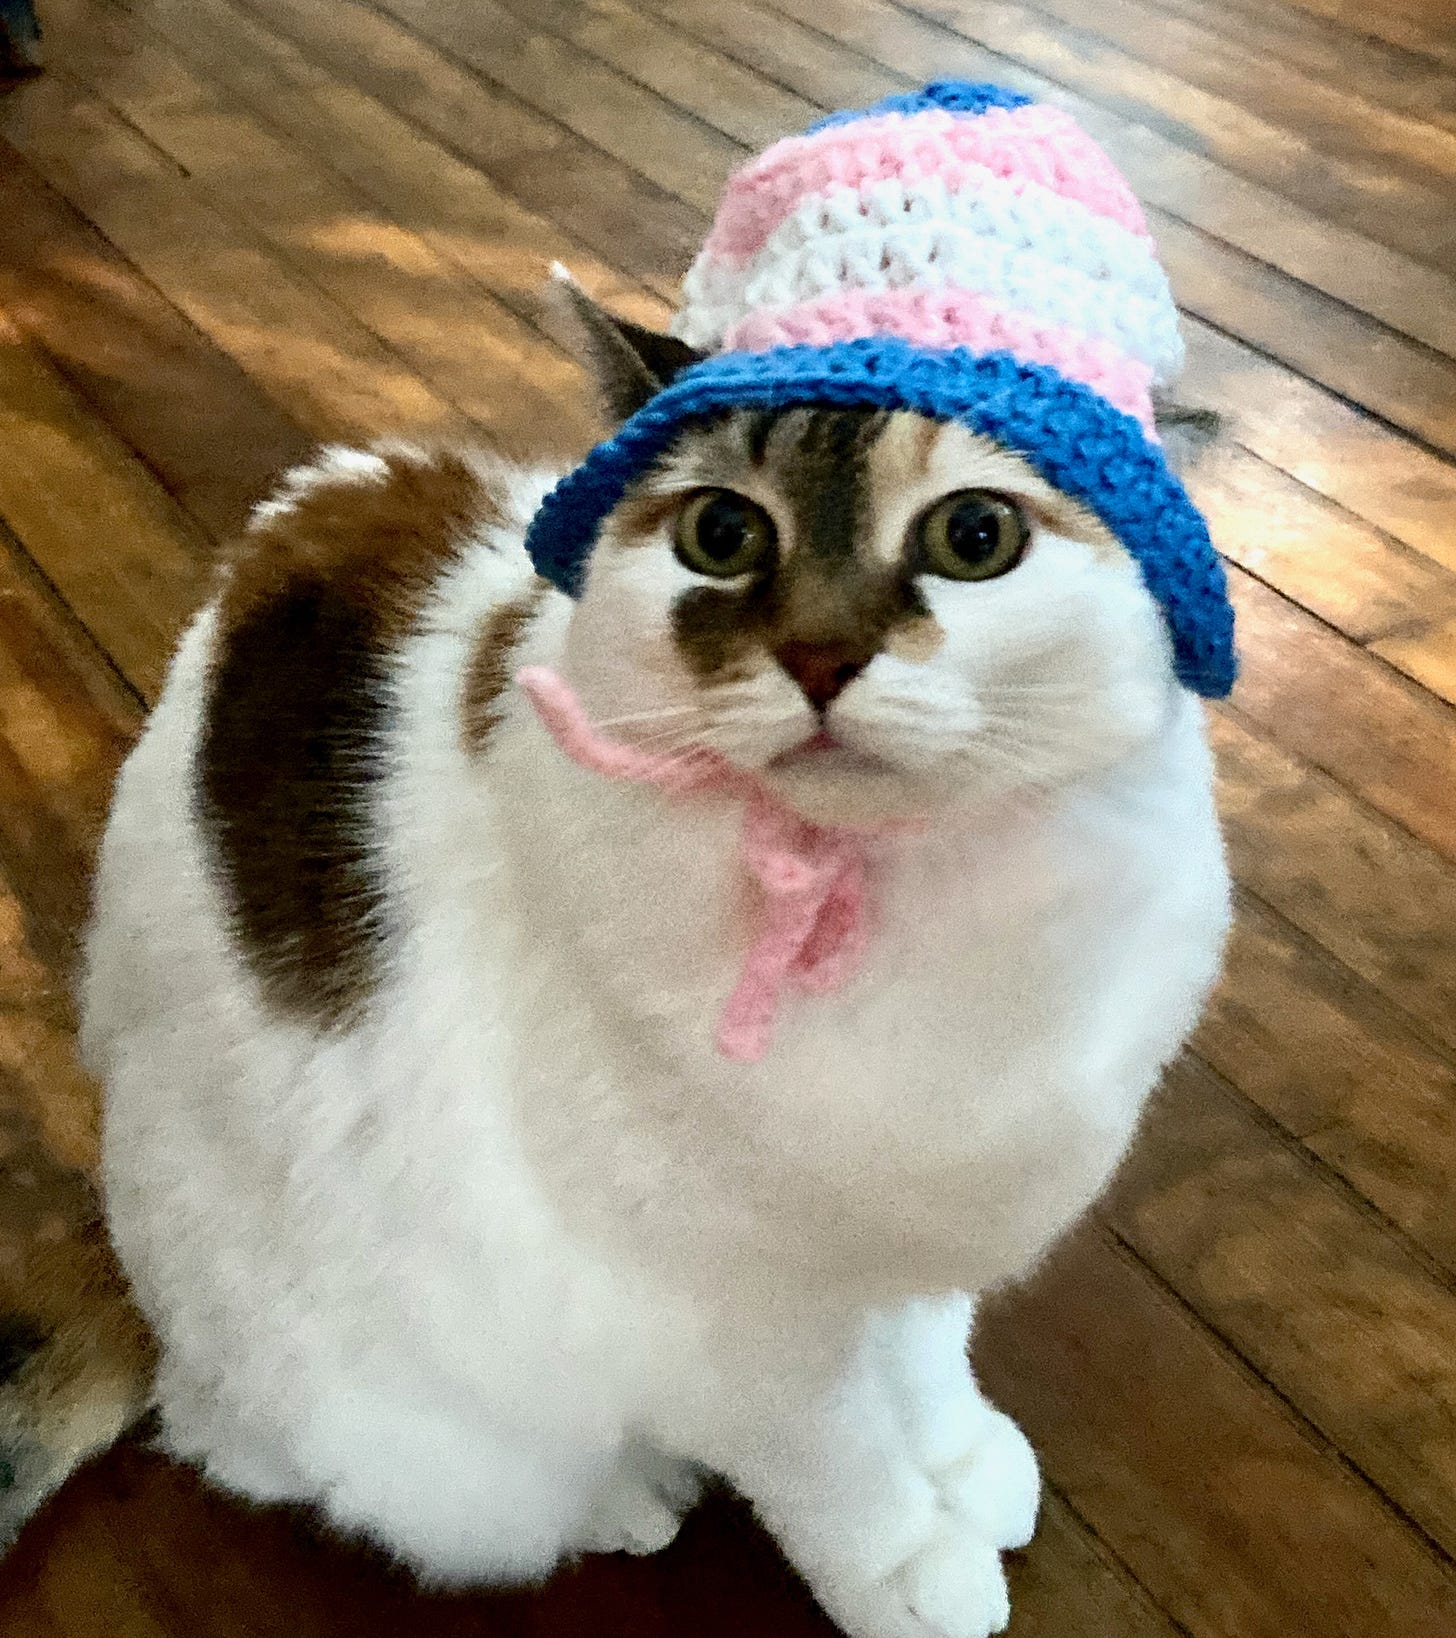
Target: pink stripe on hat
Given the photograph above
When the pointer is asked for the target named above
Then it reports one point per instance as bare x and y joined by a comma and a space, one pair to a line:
953, 318
1035, 144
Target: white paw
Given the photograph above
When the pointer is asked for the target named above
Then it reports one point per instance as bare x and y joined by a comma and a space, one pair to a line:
996, 1487
641, 1514
953, 1587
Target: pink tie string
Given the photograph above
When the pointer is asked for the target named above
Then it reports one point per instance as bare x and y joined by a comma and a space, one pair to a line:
812, 879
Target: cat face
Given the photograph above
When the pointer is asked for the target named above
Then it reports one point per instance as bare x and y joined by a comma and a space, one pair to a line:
880, 614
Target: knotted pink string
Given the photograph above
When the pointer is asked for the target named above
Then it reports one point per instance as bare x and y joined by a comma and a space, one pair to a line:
812, 878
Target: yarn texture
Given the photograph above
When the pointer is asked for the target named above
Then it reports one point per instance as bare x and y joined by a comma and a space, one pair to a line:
964, 253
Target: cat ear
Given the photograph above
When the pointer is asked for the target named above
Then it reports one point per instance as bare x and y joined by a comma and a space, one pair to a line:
1186, 431
631, 364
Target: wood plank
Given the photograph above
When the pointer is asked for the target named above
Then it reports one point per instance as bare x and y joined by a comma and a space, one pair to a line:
1355, 576
574, 185
303, 349
748, 107
1233, 1518
1339, 119
679, 153
65, 721
1067, 1583
1408, 31
1377, 899
102, 530
1405, 383
143, 368
1320, 1296
1368, 196
1342, 710
419, 183
1324, 442
1342, 1069
813, 66
500, 373
1428, 654
1385, 74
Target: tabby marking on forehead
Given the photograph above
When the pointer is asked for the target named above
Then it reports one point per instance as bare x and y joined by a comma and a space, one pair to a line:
816, 471
329, 581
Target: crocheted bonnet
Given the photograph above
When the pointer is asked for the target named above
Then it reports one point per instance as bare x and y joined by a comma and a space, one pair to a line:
962, 252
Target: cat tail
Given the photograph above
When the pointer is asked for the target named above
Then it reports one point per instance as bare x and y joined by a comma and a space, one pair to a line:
76, 1360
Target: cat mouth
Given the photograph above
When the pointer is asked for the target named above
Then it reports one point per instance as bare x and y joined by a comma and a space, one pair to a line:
822, 741
825, 752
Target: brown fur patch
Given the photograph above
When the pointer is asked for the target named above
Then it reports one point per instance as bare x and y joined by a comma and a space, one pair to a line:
489, 673
319, 596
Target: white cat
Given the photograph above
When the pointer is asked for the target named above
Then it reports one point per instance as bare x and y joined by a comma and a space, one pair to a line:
449, 1215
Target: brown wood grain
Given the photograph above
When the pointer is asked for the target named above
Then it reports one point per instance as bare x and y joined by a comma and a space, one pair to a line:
751, 108
1348, 572
577, 186
1343, 1069
1328, 1303
1427, 652
302, 348
1372, 895
152, 377
66, 719
1340, 119
1393, 78
1325, 442
501, 374
93, 518
1342, 710
679, 153
417, 181
1227, 1511
1420, 32
1405, 382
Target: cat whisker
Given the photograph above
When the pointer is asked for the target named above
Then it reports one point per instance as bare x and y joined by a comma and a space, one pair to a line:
657, 714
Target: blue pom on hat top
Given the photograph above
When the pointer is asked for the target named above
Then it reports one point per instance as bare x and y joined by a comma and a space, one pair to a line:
955, 96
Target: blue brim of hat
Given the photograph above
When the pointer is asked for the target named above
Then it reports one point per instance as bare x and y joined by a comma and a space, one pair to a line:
1066, 432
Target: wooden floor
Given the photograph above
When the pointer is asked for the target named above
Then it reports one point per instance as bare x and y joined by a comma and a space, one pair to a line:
231, 227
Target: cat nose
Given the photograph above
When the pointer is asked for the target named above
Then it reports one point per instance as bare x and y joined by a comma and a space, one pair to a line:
822, 670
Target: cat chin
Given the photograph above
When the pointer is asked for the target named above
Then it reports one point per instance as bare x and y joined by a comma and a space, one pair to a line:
843, 787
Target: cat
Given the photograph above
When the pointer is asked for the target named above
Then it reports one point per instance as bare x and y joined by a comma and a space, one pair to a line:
450, 1216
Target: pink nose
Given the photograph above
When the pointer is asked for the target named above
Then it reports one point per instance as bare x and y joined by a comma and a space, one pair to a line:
822, 670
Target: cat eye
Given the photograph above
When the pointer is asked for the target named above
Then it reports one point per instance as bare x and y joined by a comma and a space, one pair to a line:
974, 534
722, 534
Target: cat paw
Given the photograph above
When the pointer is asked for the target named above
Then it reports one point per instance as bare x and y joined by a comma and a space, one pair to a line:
953, 1587
996, 1486
639, 1514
